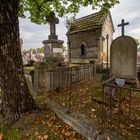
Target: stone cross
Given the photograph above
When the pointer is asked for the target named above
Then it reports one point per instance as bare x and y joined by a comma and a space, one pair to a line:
52, 20
122, 25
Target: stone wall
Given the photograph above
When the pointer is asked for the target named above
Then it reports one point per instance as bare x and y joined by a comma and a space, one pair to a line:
91, 41
95, 41
51, 79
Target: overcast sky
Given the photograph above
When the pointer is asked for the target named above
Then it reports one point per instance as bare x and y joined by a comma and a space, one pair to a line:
33, 35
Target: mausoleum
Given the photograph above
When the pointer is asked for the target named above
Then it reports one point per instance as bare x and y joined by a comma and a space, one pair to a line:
90, 37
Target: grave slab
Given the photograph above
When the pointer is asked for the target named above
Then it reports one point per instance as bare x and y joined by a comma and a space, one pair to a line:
81, 124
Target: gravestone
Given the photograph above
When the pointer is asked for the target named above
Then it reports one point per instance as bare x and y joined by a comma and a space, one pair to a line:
53, 46
124, 57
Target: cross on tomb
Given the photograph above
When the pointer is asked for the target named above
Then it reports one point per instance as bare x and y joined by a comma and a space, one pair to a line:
52, 20
122, 25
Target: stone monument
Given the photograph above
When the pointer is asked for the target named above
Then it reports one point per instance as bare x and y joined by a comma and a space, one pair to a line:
124, 55
53, 46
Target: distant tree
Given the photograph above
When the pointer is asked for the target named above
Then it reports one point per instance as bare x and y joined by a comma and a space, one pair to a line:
70, 22
33, 51
40, 50
137, 41
16, 96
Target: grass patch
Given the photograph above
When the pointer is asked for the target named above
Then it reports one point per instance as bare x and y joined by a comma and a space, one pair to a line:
12, 134
29, 68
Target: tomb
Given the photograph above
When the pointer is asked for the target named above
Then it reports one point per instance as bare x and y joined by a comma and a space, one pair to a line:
90, 38
123, 73
53, 47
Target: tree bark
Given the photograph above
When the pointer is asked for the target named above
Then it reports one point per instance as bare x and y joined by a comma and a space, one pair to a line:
16, 96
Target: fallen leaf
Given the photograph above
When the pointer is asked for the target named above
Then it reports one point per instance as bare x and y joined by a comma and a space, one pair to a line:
93, 110
1, 136
39, 137
131, 125
108, 138
36, 133
46, 137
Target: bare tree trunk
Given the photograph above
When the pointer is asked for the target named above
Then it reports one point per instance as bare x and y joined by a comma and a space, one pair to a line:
16, 96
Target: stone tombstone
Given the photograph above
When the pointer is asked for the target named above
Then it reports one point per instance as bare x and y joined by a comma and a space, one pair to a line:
123, 57
53, 46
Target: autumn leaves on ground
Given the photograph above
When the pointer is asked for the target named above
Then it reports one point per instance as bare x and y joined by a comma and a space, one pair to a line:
41, 124
86, 99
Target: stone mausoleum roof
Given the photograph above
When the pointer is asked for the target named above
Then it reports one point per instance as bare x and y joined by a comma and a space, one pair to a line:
89, 22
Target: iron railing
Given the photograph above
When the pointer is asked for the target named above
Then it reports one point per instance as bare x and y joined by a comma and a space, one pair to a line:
119, 105
63, 82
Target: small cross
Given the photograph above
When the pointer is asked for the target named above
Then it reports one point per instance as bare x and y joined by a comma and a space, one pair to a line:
122, 25
52, 20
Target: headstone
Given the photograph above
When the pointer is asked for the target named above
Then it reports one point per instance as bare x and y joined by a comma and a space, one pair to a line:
53, 46
123, 57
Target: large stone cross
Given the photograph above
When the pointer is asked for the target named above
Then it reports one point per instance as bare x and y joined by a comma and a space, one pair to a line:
52, 20
122, 25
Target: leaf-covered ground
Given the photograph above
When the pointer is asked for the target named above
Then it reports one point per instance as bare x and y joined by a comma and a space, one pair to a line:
40, 124
43, 124
85, 99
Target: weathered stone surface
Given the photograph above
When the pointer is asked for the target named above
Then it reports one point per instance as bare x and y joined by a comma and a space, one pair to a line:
40, 78
90, 39
29, 83
81, 124
53, 48
123, 57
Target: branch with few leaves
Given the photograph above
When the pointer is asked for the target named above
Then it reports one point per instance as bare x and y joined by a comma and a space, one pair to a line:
70, 22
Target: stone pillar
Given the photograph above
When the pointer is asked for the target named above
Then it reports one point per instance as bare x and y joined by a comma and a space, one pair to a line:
41, 79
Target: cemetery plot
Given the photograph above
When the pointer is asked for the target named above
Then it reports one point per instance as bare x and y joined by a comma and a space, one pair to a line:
126, 94
87, 98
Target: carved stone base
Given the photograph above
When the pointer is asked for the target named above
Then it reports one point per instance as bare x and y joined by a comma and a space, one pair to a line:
53, 50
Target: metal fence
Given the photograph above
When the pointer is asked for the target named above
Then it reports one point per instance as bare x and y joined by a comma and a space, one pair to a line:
63, 81
119, 107
111, 109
